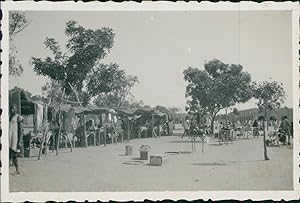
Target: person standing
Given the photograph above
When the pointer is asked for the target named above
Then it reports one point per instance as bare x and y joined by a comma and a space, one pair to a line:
14, 137
119, 130
255, 128
186, 127
286, 128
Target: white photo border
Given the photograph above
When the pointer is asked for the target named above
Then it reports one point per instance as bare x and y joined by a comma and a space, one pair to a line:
6, 196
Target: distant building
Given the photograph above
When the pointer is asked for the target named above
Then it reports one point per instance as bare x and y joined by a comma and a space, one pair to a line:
251, 114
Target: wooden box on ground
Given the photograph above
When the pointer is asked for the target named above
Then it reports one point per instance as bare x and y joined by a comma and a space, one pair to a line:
128, 150
144, 155
158, 160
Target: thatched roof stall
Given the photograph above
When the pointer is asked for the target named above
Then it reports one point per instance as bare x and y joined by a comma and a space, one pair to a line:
98, 110
26, 107
20, 100
128, 118
144, 111
101, 115
124, 113
152, 119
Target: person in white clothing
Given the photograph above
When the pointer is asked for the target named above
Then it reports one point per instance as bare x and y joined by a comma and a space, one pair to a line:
14, 137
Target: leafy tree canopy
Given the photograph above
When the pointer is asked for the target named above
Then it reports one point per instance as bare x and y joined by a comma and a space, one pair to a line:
216, 87
270, 95
111, 86
17, 23
84, 48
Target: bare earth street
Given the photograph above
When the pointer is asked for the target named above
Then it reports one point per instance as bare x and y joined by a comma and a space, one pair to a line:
237, 166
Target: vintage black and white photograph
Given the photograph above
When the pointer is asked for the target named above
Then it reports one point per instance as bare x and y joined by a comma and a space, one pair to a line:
150, 100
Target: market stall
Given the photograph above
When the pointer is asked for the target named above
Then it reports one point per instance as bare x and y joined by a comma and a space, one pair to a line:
34, 125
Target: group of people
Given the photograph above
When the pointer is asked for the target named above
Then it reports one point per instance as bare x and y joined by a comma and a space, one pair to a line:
156, 129
114, 130
193, 126
283, 129
72, 130
281, 132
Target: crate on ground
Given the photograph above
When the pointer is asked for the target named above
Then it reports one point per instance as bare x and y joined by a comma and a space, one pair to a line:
128, 150
158, 159
144, 151
144, 155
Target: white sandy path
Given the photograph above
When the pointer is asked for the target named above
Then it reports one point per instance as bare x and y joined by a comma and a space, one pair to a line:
238, 166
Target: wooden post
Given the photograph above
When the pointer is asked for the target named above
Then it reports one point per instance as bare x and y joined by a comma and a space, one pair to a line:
43, 141
45, 132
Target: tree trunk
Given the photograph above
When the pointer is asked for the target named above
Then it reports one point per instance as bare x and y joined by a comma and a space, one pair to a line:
128, 130
105, 135
84, 131
59, 121
226, 118
212, 123
264, 140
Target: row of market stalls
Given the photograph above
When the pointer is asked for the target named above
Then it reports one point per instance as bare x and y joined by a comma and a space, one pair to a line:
51, 127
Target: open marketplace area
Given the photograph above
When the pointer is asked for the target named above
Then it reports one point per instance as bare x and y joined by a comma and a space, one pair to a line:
144, 101
101, 149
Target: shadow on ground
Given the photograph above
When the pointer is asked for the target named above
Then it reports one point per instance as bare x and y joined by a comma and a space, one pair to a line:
184, 141
209, 164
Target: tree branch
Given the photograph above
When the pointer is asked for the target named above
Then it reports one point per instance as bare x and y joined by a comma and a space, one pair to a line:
20, 30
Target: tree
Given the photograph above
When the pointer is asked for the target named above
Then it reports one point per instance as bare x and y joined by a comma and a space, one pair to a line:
52, 93
111, 86
270, 96
216, 87
131, 103
17, 23
84, 48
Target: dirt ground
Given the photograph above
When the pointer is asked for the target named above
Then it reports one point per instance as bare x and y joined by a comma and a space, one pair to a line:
237, 166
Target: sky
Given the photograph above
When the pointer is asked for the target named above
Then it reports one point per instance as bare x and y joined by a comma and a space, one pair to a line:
157, 46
